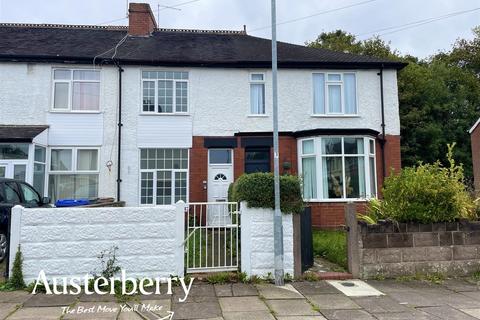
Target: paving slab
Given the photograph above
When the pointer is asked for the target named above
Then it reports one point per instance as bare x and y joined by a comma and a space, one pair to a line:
244, 289
270, 292
355, 288
48, 300
447, 313
6, 309
252, 315
45, 313
92, 310
223, 290
472, 294
319, 317
332, 301
387, 286
316, 287
380, 304
460, 285
129, 316
292, 307
416, 315
195, 310
97, 297
152, 309
473, 312
19, 296
242, 304
198, 293
347, 315
412, 298
460, 301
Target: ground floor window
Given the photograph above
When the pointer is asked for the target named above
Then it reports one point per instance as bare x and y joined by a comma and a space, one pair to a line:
257, 160
337, 167
163, 176
39, 164
73, 173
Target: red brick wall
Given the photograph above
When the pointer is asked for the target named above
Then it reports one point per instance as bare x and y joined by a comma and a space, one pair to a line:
324, 214
475, 141
141, 21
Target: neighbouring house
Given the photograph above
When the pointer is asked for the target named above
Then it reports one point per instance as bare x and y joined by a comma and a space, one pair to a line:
475, 143
152, 116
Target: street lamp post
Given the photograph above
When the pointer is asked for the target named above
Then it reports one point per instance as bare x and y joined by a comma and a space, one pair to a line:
277, 220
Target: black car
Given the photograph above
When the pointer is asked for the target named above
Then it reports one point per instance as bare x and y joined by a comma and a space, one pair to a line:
12, 193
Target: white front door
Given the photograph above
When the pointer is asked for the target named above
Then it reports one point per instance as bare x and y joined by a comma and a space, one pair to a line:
220, 175
13, 169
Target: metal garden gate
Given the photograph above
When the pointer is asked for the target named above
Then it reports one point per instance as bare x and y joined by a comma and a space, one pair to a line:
212, 237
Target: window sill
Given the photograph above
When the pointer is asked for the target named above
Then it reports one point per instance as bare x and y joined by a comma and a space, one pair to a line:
336, 200
334, 116
257, 115
74, 112
156, 114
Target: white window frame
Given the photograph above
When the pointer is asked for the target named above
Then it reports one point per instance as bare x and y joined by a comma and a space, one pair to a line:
263, 82
221, 164
70, 90
327, 96
319, 176
308, 156
74, 160
174, 97
154, 171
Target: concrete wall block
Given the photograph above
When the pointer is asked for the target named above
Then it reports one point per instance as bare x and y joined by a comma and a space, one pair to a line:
445, 238
368, 256
389, 255
400, 240
374, 240
465, 252
413, 254
472, 237
389, 270
439, 253
458, 238
426, 239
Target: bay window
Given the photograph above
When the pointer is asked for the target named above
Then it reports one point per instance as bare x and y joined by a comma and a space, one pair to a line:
337, 168
76, 90
334, 93
73, 173
163, 176
257, 93
39, 163
164, 92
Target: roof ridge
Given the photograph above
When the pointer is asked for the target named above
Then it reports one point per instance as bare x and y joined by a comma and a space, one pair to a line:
110, 27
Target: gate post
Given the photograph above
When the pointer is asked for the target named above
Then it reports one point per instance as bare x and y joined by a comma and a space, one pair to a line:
180, 237
353, 250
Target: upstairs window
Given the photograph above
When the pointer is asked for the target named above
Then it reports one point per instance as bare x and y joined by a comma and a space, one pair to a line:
334, 93
164, 92
257, 93
76, 90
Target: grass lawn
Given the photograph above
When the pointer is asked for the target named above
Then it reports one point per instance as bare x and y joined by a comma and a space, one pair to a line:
331, 245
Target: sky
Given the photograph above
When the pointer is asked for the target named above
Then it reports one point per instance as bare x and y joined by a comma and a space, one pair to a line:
359, 17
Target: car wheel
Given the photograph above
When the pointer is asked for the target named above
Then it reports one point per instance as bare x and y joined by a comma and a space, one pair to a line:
3, 246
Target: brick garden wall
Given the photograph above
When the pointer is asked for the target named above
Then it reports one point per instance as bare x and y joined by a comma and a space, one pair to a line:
393, 250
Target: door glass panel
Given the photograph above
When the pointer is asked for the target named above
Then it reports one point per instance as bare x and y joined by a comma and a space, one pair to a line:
19, 171
3, 172
220, 156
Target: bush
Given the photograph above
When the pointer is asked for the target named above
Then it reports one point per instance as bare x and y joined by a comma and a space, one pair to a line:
16, 279
426, 193
257, 189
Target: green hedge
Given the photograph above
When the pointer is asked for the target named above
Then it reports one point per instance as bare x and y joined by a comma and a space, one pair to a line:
257, 189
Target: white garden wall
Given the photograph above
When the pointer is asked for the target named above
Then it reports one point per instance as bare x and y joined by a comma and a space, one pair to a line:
257, 255
66, 241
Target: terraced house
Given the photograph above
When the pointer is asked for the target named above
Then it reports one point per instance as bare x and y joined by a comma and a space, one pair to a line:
152, 116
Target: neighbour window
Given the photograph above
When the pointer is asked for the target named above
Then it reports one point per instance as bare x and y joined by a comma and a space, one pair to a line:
344, 165
73, 173
76, 90
164, 92
163, 176
39, 169
14, 151
257, 160
334, 93
257, 93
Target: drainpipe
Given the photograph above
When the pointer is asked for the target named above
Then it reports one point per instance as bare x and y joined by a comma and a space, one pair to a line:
120, 125
382, 141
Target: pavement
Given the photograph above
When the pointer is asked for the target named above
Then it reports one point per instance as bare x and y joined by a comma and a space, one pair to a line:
453, 299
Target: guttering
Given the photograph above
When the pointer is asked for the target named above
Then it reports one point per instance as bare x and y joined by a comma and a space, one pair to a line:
382, 141
120, 125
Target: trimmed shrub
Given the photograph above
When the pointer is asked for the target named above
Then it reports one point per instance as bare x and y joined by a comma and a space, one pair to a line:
257, 189
16, 279
426, 193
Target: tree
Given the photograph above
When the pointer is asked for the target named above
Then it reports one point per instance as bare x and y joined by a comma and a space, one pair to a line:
439, 97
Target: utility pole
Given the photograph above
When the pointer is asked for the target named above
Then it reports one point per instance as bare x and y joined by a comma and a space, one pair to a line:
277, 219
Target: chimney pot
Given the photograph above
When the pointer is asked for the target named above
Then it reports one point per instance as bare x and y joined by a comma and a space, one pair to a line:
141, 21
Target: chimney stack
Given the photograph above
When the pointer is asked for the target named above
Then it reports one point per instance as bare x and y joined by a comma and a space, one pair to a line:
141, 21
